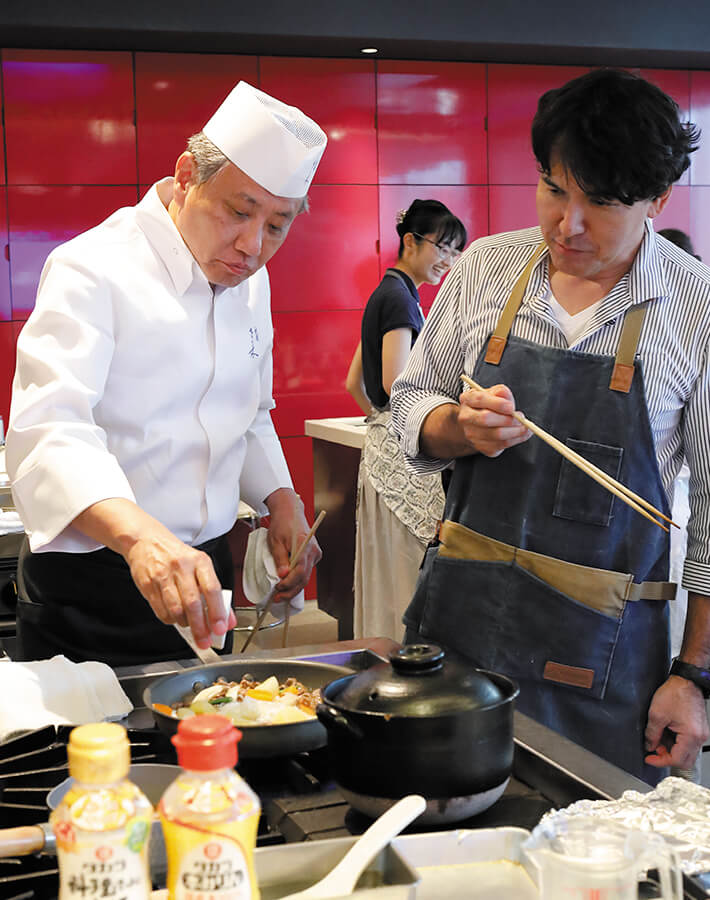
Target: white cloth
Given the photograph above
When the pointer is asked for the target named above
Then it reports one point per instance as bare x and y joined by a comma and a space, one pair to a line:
10, 522
259, 576
135, 380
57, 691
216, 640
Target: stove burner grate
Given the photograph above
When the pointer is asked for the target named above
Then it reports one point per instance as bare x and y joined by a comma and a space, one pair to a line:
30, 766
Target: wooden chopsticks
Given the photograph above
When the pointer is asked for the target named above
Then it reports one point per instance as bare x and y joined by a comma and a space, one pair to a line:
292, 564
287, 615
615, 487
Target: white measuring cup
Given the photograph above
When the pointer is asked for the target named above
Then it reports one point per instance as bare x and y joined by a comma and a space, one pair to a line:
586, 858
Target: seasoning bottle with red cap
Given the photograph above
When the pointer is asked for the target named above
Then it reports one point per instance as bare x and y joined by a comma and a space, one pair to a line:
210, 816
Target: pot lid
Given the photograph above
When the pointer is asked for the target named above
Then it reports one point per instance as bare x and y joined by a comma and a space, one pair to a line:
419, 681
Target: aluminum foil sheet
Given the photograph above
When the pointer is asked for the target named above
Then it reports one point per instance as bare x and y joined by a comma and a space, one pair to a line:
677, 809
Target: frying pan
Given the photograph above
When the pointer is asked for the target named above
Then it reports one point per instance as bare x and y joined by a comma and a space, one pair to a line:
151, 778
258, 741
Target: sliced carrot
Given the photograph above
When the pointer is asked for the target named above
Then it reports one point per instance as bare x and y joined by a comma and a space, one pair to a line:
259, 694
291, 689
163, 708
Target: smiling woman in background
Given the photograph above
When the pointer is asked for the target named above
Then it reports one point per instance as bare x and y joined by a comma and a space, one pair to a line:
397, 509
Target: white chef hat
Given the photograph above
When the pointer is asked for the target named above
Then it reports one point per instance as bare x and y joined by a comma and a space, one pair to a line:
274, 144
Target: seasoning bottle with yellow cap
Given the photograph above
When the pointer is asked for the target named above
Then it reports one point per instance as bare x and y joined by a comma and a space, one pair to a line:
210, 816
102, 825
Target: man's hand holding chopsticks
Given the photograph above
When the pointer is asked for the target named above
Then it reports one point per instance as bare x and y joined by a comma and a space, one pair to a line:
486, 420
287, 529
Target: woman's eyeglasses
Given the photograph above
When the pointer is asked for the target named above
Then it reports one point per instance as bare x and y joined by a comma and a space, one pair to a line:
445, 251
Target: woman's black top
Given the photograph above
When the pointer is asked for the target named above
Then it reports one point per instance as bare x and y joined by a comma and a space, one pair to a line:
393, 304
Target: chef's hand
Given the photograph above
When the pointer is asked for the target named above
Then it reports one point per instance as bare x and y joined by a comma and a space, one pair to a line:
178, 581
287, 529
678, 708
486, 419
180, 584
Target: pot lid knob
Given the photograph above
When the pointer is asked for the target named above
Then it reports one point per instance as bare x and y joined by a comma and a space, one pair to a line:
417, 659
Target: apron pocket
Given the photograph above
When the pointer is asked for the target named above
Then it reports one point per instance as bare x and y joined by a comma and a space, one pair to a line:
507, 620
578, 496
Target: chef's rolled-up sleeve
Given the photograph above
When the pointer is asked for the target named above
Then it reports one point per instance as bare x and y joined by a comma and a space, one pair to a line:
56, 454
432, 376
696, 426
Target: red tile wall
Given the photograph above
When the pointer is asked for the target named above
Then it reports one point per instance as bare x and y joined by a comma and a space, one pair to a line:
85, 132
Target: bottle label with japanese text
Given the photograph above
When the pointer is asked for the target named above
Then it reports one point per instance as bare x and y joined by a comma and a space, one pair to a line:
98, 868
216, 868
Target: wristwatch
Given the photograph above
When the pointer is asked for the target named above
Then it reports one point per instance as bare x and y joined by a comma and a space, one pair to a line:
699, 677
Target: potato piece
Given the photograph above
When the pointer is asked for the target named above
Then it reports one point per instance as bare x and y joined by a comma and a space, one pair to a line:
214, 690
286, 714
270, 686
251, 710
184, 712
287, 699
235, 712
202, 707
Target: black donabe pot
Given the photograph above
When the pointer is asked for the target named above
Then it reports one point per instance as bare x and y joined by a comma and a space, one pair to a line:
421, 724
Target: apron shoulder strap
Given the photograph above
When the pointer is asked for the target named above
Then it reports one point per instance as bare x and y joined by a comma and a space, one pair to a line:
499, 338
395, 274
623, 372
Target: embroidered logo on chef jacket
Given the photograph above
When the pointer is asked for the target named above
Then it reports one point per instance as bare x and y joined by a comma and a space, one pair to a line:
254, 338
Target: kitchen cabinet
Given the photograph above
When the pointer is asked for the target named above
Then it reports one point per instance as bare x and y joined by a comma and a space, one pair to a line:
69, 117
337, 445
176, 93
339, 94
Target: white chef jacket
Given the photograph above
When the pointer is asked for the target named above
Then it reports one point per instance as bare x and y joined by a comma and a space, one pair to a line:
136, 380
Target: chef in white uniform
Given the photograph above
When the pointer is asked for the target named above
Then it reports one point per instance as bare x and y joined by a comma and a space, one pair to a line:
142, 396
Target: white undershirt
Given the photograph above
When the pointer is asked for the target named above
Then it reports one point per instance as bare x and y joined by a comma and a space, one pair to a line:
574, 326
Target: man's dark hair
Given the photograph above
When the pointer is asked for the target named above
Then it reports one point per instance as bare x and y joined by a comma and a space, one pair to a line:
618, 135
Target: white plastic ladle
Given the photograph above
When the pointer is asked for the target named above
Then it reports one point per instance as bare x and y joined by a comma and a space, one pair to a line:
340, 881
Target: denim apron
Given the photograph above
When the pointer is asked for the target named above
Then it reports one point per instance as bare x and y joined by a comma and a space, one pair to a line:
587, 674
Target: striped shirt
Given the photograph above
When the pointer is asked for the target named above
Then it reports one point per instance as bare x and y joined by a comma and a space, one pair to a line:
673, 346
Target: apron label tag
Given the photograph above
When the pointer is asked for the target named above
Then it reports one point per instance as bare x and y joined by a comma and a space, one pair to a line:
621, 378
496, 346
571, 675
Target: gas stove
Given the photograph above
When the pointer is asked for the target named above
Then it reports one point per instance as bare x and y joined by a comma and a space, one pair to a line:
300, 800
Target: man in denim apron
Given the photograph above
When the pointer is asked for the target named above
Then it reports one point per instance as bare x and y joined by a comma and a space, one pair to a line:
538, 572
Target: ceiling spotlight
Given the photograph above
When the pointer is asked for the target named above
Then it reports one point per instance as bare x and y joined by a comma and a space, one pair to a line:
368, 50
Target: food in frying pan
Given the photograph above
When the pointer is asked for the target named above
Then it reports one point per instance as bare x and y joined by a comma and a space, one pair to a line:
249, 702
